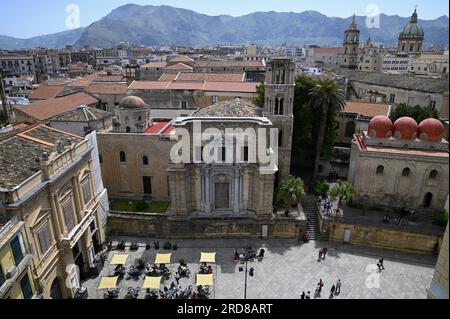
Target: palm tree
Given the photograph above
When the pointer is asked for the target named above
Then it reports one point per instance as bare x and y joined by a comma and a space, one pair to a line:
326, 98
343, 190
291, 190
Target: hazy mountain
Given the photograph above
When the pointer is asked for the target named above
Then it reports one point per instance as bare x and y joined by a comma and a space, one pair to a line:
164, 25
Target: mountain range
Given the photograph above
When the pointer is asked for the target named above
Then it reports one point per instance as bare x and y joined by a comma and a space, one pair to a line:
164, 25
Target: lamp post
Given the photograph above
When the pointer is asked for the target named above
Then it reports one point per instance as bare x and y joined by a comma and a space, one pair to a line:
246, 258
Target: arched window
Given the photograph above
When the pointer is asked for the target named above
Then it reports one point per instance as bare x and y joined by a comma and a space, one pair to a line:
123, 156
280, 138
349, 129
140, 118
380, 170
128, 129
145, 160
277, 106
281, 109
406, 172
433, 174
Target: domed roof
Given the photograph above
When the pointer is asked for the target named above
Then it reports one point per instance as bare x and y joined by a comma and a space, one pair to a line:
413, 28
405, 128
431, 130
132, 102
380, 126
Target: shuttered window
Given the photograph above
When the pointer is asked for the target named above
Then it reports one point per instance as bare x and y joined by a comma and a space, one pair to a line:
68, 214
45, 238
87, 194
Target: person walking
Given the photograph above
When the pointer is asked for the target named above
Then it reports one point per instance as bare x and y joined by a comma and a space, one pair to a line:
338, 286
333, 289
320, 254
380, 262
177, 277
303, 296
308, 295
320, 286
325, 252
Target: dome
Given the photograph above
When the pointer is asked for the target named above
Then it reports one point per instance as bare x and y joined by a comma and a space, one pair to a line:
405, 128
413, 28
132, 102
431, 130
380, 126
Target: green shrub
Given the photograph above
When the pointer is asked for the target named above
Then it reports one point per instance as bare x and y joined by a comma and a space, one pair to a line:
141, 206
321, 188
441, 219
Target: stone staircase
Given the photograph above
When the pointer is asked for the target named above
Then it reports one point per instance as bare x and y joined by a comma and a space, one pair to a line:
310, 209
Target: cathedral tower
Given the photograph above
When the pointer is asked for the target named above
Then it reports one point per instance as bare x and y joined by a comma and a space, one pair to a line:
351, 44
279, 107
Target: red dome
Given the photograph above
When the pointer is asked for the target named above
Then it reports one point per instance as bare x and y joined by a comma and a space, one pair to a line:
405, 128
433, 129
380, 126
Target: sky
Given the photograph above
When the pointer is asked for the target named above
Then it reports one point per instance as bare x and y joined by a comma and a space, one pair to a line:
27, 18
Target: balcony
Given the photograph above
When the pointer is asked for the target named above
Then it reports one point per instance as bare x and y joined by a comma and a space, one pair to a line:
76, 233
16, 272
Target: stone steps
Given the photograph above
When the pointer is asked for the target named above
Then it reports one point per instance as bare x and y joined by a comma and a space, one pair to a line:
310, 209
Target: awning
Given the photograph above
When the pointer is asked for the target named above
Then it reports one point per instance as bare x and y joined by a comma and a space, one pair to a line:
208, 258
152, 283
119, 259
108, 283
163, 259
205, 280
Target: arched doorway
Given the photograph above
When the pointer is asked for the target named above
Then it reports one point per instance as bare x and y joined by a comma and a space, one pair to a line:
55, 292
427, 200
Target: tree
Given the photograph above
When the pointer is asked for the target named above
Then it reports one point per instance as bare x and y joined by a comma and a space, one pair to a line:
260, 94
419, 113
327, 99
291, 190
343, 190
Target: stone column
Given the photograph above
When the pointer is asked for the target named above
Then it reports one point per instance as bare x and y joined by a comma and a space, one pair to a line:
58, 226
77, 198
236, 196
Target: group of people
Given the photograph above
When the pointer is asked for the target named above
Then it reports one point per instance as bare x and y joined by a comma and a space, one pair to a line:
334, 291
205, 269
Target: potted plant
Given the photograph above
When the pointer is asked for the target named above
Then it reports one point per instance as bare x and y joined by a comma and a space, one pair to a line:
175, 247
134, 246
148, 246
167, 245
183, 262
121, 245
156, 243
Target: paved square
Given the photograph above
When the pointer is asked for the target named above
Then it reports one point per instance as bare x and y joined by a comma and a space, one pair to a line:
290, 268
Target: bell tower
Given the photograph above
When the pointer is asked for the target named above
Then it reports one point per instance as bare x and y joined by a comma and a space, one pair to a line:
351, 44
279, 107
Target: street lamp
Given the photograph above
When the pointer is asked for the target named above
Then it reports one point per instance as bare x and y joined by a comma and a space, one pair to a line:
248, 256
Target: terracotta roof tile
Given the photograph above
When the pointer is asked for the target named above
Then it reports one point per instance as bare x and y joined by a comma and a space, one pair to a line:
328, 50
110, 88
212, 64
179, 66
154, 65
242, 87
45, 92
44, 110
367, 109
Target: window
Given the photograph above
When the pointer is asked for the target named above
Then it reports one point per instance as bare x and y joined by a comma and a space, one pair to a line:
123, 156
410, 101
280, 138
406, 172
2, 276
17, 250
392, 98
25, 285
45, 238
433, 174
432, 105
69, 219
349, 129
320, 169
87, 194
380, 170
411, 48
145, 160
140, 118
128, 129
183, 105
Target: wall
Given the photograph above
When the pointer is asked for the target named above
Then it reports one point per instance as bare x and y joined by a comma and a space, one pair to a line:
162, 226
439, 285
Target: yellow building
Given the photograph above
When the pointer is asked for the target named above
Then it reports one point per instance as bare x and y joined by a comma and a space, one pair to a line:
15, 260
56, 198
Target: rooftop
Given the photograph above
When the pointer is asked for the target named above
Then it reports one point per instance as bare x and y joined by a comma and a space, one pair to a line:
338, 50
367, 109
82, 114
200, 77
34, 142
179, 66
230, 108
240, 87
46, 109
231, 63
45, 92
401, 81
